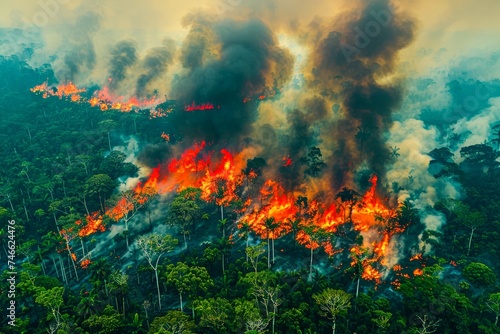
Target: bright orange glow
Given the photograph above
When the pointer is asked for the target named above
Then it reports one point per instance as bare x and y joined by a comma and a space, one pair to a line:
94, 224
417, 257
418, 272
102, 99
85, 263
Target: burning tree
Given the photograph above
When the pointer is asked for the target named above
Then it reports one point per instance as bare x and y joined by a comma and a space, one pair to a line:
128, 206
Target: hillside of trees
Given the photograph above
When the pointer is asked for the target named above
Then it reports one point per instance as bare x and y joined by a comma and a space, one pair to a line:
204, 274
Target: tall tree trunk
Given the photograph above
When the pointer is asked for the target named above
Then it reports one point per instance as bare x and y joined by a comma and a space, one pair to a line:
272, 240
268, 252
470, 240
72, 261
157, 281
357, 287
100, 202
83, 247
223, 266
25, 209
311, 263
126, 232
85, 205
10, 202
43, 268
180, 299
63, 271
55, 220
55, 265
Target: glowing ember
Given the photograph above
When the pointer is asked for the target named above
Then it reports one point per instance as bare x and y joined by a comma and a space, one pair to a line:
417, 257
85, 263
287, 161
418, 272
193, 106
165, 136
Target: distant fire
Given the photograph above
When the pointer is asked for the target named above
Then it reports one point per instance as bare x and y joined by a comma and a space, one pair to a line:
103, 99
204, 106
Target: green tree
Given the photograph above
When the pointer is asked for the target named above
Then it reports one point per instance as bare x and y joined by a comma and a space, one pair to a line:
215, 314
174, 322
153, 246
52, 299
119, 285
333, 303
480, 274
188, 280
100, 185
182, 213
469, 218
493, 304
109, 322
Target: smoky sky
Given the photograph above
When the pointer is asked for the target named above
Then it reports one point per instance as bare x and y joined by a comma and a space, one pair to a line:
123, 56
241, 68
347, 62
78, 49
154, 65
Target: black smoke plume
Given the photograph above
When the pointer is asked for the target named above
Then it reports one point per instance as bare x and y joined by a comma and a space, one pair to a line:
347, 64
81, 55
248, 61
154, 65
300, 137
123, 56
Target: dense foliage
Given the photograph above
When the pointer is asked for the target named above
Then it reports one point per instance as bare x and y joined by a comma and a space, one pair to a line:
58, 166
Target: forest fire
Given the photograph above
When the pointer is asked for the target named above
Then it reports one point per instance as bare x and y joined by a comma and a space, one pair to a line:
193, 106
270, 214
65, 90
102, 99
94, 224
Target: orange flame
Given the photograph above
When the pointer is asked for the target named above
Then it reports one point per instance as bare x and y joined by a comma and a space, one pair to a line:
94, 224
85, 263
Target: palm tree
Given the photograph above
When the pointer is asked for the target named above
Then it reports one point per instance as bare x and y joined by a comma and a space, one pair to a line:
223, 245
394, 152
